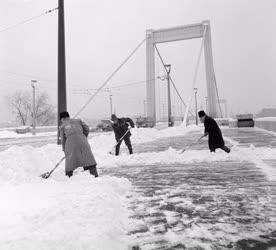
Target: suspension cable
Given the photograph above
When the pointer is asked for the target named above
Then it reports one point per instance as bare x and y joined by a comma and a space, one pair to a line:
217, 95
110, 77
195, 76
28, 20
170, 77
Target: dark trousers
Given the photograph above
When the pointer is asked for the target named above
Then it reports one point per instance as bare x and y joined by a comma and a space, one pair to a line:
224, 148
128, 144
92, 169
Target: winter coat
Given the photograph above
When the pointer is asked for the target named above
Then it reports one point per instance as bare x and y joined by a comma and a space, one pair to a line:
75, 145
121, 127
215, 137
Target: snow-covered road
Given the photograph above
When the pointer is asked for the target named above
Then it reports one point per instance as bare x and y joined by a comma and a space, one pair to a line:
157, 197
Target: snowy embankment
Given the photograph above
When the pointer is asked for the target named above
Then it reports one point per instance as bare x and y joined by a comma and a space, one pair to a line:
267, 123
83, 212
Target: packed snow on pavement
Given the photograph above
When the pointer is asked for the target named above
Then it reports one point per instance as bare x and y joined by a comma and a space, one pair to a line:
83, 212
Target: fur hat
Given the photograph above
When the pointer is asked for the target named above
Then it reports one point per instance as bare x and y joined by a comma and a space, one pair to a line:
64, 114
201, 113
113, 117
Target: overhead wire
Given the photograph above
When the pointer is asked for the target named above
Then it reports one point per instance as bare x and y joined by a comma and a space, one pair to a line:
120, 86
27, 20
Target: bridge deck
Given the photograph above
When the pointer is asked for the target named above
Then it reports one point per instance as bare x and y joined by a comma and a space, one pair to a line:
224, 204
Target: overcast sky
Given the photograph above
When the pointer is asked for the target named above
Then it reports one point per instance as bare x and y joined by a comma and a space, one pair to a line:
100, 34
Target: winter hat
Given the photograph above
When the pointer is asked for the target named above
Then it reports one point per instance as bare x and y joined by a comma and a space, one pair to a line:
113, 117
201, 113
64, 114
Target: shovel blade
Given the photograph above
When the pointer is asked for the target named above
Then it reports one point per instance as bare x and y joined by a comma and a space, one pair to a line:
45, 175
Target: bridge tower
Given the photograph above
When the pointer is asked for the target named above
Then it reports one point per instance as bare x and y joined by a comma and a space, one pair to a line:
176, 34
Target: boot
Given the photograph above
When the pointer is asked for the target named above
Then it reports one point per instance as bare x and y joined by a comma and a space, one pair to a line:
69, 173
226, 149
93, 171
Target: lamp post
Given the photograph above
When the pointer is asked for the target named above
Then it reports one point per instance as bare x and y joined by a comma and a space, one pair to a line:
111, 108
33, 82
206, 103
168, 69
145, 108
195, 89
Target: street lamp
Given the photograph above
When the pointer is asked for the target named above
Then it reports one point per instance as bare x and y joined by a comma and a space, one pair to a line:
168, 69
145, 108
33, 82
111, 108
195, 89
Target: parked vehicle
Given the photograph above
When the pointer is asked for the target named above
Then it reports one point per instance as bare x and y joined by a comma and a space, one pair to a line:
22, 130
105, 125
144, 122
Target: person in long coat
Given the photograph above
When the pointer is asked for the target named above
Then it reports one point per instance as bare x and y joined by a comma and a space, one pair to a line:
74, 133
215, 139
122, 133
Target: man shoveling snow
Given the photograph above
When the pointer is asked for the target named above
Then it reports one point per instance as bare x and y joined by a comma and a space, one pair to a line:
74, 142
212, 129
122, 133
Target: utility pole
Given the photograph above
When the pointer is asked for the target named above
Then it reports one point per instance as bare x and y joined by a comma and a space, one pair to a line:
33, 82
195, 89
111, 108
168, 69
62, 104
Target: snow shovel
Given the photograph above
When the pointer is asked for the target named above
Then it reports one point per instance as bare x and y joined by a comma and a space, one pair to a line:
110, 152
194, 143
47, 174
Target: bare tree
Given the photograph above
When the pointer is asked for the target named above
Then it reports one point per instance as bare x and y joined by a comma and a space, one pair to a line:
45, 112
20, 104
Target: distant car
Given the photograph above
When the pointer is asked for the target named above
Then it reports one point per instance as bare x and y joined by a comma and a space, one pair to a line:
22, 130
245, 120
144, 122
105, 125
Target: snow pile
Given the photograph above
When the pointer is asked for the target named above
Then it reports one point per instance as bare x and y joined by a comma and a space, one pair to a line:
77, 213
13, 134
24, 164
257, 156
170, 156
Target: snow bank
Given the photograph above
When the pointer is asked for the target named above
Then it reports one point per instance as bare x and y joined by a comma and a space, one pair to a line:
77, 213
13, 134
170, 156
267, 119
24, 164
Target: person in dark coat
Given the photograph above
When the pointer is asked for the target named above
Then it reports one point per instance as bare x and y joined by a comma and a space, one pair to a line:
121, 129
74, 133
212, 129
